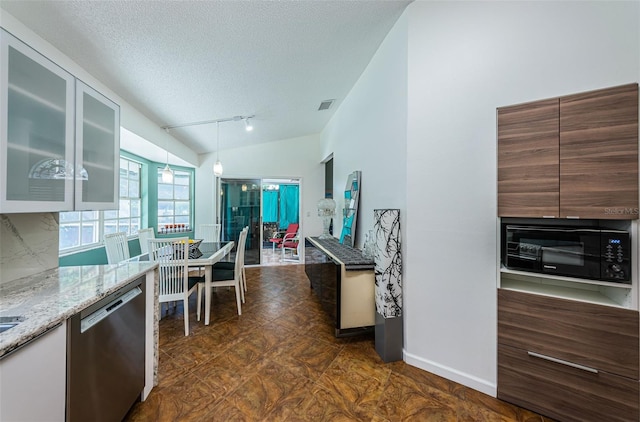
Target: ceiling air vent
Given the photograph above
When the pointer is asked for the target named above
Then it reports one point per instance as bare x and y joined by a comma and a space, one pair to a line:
325, 105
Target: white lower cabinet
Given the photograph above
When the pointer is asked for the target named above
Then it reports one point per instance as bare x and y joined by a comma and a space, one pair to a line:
33, 379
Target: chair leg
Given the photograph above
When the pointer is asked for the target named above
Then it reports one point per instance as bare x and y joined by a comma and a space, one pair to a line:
244, 279
199, 301
186, 316
238, 287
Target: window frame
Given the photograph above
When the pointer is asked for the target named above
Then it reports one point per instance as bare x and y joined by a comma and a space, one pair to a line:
102, 220
188, 202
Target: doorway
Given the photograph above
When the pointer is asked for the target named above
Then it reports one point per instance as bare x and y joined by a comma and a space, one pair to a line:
266, 206
281, 208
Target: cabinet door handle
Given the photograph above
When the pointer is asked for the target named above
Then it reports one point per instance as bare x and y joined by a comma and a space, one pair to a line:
562, 362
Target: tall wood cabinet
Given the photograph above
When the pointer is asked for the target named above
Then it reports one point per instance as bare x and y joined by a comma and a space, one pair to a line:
570, 157
59, 138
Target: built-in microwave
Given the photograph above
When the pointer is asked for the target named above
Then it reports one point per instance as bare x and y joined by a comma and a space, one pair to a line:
583, 252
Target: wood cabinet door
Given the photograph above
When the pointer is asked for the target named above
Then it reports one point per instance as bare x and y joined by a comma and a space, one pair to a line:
599, 154
597, 336
565, 392
528, 157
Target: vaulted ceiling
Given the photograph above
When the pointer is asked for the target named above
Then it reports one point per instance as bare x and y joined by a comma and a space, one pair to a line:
187, 61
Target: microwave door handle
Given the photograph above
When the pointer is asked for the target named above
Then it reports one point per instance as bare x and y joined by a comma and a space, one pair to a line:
560, 250
530, 258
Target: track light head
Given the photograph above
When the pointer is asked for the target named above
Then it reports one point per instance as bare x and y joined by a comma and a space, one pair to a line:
247, 124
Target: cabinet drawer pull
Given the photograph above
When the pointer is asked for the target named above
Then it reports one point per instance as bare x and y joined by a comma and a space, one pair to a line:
548, 216
562, 362
576, 217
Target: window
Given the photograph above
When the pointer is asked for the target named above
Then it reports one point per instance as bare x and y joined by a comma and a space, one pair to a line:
79, 228
84, 228
127, 218
174, 200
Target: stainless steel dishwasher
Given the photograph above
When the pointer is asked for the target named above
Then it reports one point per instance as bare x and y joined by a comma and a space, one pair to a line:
105, 356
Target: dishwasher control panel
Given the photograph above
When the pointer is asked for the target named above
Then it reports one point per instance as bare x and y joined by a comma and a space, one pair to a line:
100, 314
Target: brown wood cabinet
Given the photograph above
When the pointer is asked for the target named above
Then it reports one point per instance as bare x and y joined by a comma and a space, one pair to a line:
573, 156
563, 392
570, 360
528, 157
599, 154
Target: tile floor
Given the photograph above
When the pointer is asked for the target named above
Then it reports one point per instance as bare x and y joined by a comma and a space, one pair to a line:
279, 361
271, 258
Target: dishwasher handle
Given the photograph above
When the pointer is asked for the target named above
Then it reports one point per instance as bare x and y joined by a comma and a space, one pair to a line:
114, 305
103, 312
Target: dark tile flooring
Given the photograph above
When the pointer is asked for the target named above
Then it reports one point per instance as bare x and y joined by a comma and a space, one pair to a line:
279, 361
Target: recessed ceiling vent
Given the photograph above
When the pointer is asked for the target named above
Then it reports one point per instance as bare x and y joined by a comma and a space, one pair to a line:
325, 105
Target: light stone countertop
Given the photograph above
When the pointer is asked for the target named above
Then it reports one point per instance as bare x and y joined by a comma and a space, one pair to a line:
50, 297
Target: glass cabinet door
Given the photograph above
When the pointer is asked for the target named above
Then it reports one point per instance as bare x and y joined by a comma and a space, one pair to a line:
97, 150
36, 131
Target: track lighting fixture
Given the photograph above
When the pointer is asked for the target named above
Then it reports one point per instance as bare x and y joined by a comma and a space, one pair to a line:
217, 167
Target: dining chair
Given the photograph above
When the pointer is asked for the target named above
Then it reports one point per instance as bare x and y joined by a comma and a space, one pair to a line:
290, 242
278, 238
242, 273
223, 276
117, 247
174, 283
143, 236
208, 232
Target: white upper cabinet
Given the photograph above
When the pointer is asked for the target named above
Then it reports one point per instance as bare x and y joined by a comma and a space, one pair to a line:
37, 136
59, 138
98, 155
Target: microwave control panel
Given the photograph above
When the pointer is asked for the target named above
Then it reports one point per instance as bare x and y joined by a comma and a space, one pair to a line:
615, 257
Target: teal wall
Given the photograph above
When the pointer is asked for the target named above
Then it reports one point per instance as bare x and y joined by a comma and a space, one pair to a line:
96, 256
149, 199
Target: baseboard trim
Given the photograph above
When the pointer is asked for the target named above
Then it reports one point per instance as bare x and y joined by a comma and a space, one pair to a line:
451, 374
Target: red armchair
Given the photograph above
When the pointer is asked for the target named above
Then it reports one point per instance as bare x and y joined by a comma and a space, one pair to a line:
286, 236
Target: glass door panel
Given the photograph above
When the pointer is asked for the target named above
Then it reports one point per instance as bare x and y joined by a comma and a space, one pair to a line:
37, 131
240, 207
97, 150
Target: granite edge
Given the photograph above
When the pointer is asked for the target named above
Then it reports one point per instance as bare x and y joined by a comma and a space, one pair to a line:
50, 322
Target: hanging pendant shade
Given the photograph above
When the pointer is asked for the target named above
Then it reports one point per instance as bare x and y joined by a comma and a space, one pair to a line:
217, 168
167, 174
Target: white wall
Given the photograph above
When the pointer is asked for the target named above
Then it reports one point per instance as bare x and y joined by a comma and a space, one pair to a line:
466, 59
296, 158
368, 133
130, 118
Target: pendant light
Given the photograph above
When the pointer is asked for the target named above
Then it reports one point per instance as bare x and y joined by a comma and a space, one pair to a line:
217, 167
167, 173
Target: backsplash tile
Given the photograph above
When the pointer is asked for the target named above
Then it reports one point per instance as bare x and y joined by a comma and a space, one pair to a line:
28, 244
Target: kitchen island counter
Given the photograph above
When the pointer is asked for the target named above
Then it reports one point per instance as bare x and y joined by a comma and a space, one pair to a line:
46, 299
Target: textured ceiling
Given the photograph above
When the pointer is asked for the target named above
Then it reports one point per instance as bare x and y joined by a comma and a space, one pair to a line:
188, 61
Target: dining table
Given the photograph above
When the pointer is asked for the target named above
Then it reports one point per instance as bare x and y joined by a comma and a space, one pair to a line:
212, 252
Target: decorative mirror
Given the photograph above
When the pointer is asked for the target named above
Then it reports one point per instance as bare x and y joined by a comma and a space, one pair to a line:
351, 197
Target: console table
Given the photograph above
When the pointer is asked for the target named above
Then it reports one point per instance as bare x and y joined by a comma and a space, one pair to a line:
344, 282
